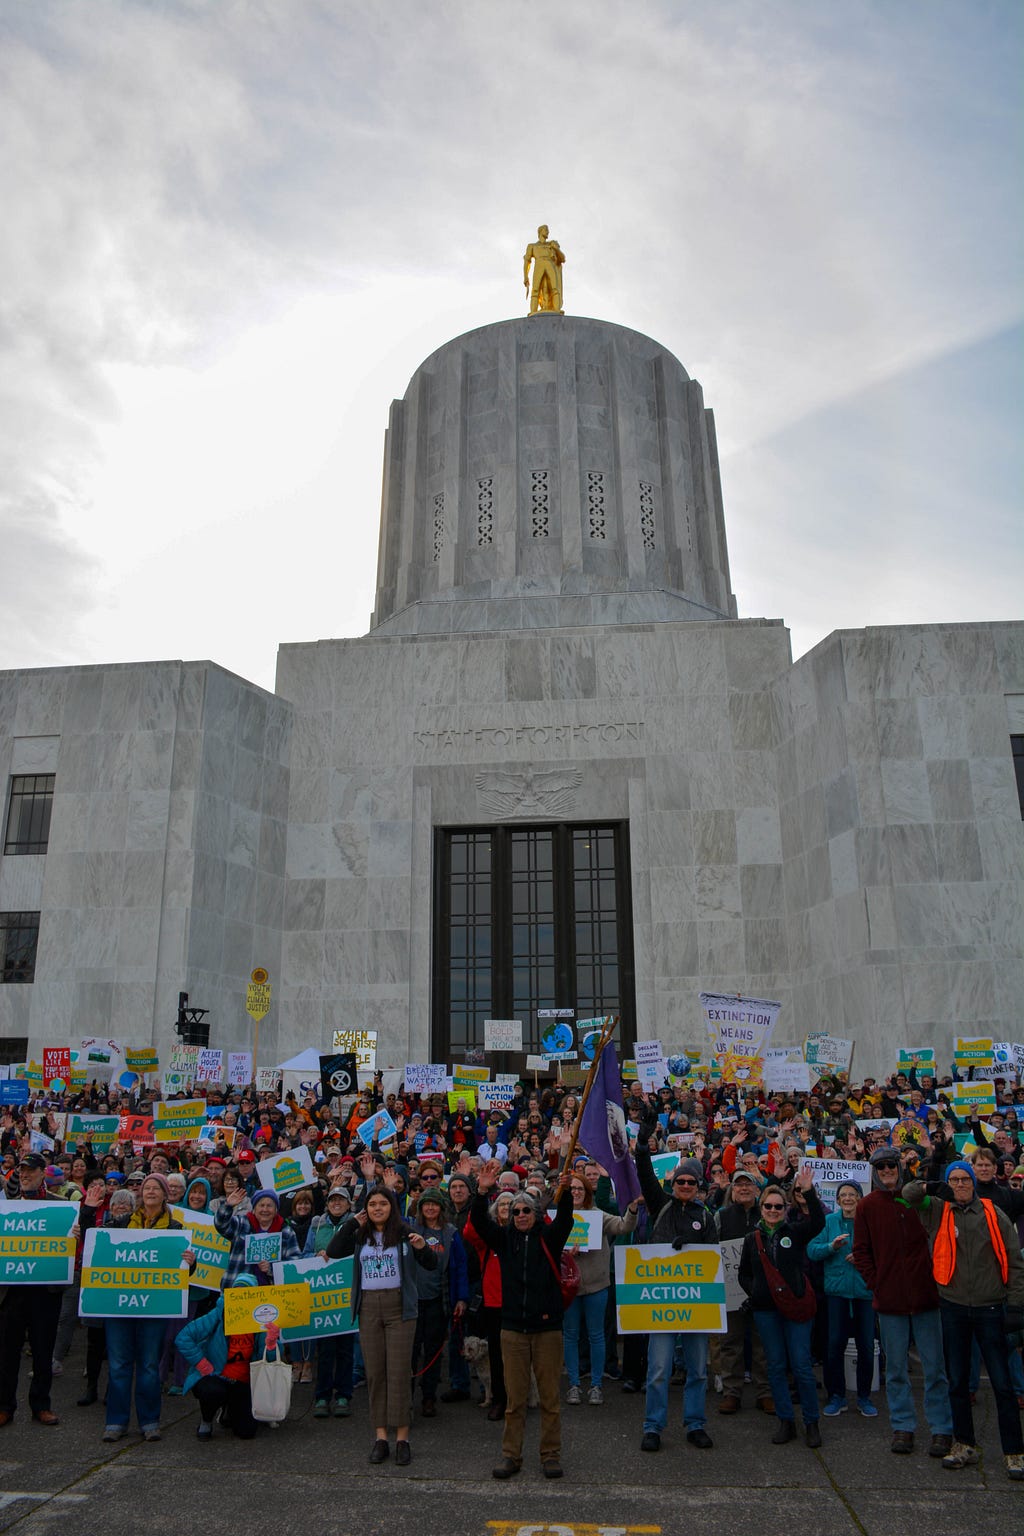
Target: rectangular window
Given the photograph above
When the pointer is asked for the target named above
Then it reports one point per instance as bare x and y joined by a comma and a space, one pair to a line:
1017, 747
529, 918
13, 1049
19, 939
28, 814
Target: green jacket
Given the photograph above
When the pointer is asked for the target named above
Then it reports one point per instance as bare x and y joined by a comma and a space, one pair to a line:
976, 1280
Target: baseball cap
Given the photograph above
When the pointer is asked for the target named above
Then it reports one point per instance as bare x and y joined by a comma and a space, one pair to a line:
33, 1160
246, 1157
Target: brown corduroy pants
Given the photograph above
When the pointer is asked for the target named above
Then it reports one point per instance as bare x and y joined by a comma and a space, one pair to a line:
541, 1353
386, 1342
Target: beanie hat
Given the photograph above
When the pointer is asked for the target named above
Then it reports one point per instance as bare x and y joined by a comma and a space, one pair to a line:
161, 1181
962, 1167
691, 1166
265, 1194
244, 1278
849, 1184
433, 1196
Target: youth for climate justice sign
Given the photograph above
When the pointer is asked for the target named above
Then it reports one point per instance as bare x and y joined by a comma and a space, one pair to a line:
36, 1247
134, 1274
659, 1289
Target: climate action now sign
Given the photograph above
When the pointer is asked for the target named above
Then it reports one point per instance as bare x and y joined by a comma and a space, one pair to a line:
212, 1251
35, 1243
659, 1289
134, 1274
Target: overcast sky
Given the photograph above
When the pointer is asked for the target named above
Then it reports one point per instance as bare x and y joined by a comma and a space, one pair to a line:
232, 230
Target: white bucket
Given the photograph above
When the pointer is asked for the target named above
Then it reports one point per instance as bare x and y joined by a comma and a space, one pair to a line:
851, 1368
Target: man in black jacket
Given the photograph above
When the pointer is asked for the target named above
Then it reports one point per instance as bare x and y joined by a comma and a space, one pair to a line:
528, 1252
680, 1219
29, 1312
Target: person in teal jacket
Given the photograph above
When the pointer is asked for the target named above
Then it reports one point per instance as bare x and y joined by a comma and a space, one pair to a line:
849, 1304
219, 1367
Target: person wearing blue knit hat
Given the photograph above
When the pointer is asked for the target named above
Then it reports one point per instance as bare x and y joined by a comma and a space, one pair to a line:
219, 1367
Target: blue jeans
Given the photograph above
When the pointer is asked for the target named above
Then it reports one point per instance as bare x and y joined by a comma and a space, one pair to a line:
789, 1344
896, 1330
846, 1316
590, 1311
334, 1366
961, 1327
133, 1347
660, 1349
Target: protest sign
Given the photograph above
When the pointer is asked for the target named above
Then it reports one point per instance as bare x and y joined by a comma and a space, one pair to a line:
362, 1043
267, 1079
663, 1164
56, 1072
137, 1128
737, 1068
742, 1025
732, 1252
650, 1061
142, 1060
876, 1125
557, 1035
330, 1297
536, 1063
100, 1057
38, 1141
495, 1095
214, 1134
828, 1052
212, 1250
179, 1119
461, 1075
100, 1130
250, 1308
35, 1243
972, 1096
379, 1126
659, 1289
263, 1248
829, 1172
292, 1169
920, 1057
425, 1077
787, 1077
134, 1273
210, 1066
338, 1075
585, 1235
239, 1069
972, 1053
506, 1079
503, 1034
14, 1091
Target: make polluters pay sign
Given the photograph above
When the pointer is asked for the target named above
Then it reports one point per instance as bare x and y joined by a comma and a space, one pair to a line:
35, 1243
134, 1274
661, 1289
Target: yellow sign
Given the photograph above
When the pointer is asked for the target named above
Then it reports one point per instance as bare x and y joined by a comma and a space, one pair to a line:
660, 1289
179, 1119
249, 1309
257, 999
260, 976
737, 1068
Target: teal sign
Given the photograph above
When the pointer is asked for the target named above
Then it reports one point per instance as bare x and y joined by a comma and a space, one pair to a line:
36, 1247
134, 1274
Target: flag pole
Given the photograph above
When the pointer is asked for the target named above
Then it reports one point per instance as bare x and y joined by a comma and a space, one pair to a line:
607, 1030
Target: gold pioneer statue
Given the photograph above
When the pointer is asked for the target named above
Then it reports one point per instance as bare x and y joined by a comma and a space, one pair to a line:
547, 258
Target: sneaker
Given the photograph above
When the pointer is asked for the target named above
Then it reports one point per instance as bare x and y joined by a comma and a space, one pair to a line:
650, 1441
866, 1408
342, 1408
902, 1442
58, 1369
551, 1467
595, 1397
204, 1431
506, 1468
960, 1455
151, 1434
835, 1406
1015, 1467
629, 1385
940, 1445
113, 1432
321, 1408
574, 1395
175, 1391
613, 1373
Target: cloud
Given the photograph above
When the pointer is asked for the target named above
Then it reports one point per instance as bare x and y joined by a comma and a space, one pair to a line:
233, 230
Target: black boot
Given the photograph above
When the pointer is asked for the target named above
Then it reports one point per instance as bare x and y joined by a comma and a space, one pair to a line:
785, 1432
89, 1396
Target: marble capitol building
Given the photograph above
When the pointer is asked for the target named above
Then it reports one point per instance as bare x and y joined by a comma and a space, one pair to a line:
559, 770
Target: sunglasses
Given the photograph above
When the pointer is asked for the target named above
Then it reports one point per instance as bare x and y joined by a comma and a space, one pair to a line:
523, 1210
430, 1178
773, 1207
889, 1162
685, 1181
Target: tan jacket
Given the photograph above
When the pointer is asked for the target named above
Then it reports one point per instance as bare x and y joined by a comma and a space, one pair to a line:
594, 1270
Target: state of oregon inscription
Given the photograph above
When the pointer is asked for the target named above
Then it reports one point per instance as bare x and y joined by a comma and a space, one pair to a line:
597, 733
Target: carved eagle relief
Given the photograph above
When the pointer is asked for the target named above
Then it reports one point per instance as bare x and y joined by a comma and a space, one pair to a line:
504, 793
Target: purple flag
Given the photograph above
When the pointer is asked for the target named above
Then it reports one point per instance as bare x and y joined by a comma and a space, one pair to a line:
603, 1129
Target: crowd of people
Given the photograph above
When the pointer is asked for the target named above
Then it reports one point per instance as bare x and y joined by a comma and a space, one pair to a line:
463, 1286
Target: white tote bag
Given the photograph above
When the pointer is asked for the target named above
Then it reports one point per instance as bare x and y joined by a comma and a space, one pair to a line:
270, 1382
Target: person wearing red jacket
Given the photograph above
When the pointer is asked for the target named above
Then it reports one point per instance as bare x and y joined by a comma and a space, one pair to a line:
890, 1252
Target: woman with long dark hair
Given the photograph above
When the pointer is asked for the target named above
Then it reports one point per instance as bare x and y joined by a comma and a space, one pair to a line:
386, 1303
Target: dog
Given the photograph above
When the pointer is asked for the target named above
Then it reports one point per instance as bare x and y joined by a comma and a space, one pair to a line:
475, 1352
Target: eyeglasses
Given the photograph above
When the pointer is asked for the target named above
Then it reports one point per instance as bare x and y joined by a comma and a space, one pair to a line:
773, 1207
